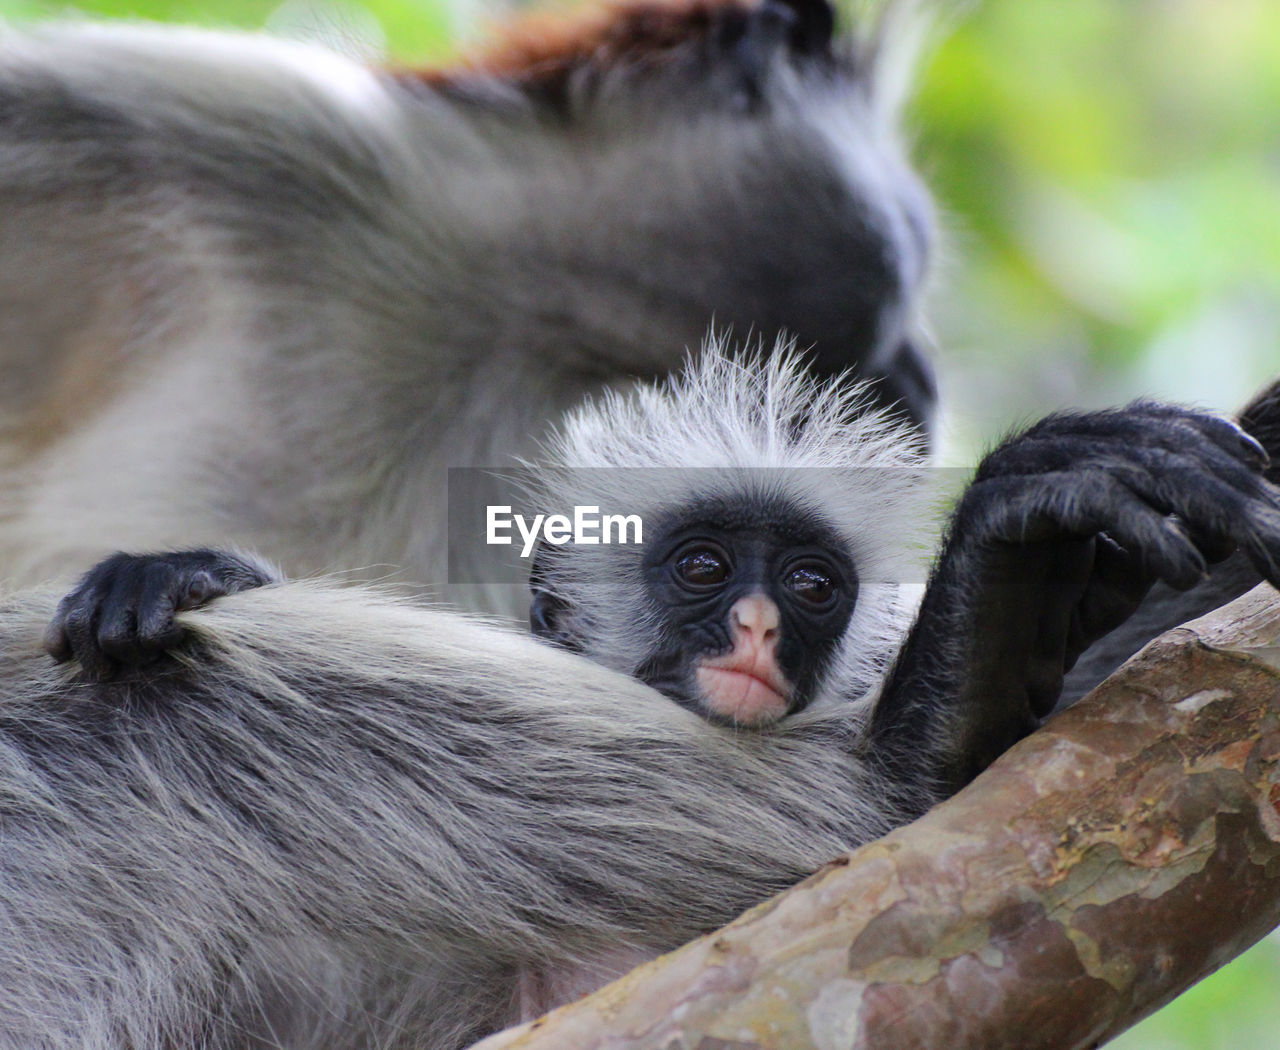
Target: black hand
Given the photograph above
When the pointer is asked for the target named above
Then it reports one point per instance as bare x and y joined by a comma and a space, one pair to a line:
121, 613
1164, 608
1054, 544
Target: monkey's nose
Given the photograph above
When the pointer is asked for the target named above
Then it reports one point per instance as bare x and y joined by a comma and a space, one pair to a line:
757, 617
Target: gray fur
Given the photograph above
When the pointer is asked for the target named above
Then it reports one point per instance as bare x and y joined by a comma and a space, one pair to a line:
345, 822
337, 820
253, 294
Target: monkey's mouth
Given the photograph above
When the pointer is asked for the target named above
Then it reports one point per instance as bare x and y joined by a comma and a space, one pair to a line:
743, 693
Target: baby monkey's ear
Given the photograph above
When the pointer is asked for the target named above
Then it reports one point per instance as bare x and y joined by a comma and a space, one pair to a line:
548, 611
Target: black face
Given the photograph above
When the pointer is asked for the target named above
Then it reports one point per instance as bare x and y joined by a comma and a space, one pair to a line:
698, 571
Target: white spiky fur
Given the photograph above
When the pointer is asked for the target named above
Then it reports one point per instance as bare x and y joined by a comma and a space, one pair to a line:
750, 427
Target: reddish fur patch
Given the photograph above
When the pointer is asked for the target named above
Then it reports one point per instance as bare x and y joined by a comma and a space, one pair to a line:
541, 49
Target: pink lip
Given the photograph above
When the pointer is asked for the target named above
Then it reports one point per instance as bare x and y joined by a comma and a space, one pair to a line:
733, 688
747, 664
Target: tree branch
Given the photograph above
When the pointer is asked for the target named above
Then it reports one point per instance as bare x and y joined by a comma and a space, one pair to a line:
1101, 867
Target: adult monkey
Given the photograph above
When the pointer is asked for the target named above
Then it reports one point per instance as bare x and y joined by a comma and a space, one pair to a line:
254, 294
353, 823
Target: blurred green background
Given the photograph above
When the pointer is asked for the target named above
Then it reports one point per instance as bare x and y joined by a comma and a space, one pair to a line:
1108, 175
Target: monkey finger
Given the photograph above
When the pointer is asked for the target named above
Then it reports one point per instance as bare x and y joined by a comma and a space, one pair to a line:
1208, 478
1060, 590
119, 593
56, 641
1176, 519
136, 613
1226, 434
80, 629
116, 633
1023, 510
1231, 522
167, 590
1173, 427
1210, 510
1159, 546
1137, 437
1234, 438
1261, 545
1116, 588
1216, 545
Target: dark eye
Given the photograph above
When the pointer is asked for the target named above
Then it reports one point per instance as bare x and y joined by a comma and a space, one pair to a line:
702, 567
812, 582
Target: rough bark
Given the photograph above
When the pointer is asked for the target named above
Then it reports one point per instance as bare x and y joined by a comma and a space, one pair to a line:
1105, 864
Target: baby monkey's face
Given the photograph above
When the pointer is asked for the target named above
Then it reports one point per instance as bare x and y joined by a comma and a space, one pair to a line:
751, 611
